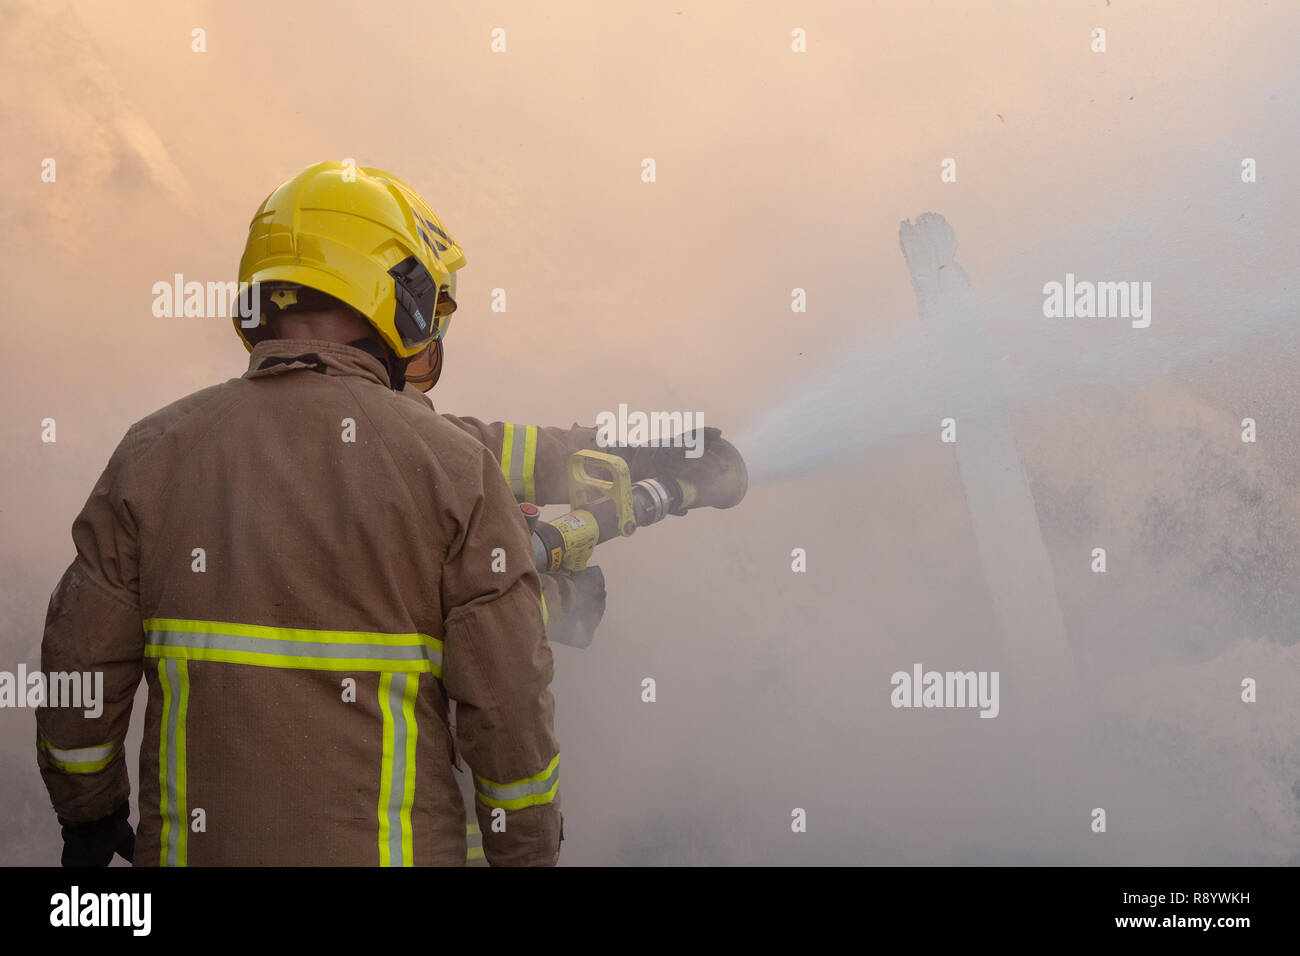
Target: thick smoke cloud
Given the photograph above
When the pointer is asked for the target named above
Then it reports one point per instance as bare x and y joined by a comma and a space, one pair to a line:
775, 171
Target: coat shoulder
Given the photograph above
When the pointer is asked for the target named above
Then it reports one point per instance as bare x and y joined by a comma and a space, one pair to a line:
459, 451
153, 426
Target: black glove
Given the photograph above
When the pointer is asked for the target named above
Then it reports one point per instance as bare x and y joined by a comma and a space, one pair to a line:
582, 605
94, 843
589, 596
718, 474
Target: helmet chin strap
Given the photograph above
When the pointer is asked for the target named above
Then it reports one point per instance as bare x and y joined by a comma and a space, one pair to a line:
396, 366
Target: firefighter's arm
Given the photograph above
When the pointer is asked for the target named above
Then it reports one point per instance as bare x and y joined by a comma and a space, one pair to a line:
92, 629
534, 458
497, 667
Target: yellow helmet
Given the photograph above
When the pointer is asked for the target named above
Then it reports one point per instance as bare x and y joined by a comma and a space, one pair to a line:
362, 236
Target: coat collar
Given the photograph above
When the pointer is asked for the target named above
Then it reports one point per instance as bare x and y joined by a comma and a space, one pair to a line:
277, 356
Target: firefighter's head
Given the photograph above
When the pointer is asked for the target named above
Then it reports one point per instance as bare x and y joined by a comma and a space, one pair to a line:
296, 312
340, 242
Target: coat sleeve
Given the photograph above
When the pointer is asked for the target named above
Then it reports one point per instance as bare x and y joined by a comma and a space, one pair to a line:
92, 629
497, 666
534, 458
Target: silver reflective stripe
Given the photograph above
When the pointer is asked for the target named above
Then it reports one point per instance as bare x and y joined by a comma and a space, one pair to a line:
397, 787
518, 454
398, 692
174, 818
240, 643
531, 788
83, 754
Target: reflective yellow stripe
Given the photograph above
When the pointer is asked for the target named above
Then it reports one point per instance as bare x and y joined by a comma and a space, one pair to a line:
287, 633
81, 759
519, 459
508, 458
174, 679
530, 791
385, 769
162, 761
296, 648
473, 842
408, 792
530, 462
182, 772
397, 693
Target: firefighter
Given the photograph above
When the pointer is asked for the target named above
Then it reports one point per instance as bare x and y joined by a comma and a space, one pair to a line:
308, 565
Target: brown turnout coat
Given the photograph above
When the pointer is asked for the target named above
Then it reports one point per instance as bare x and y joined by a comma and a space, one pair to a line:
308, 568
